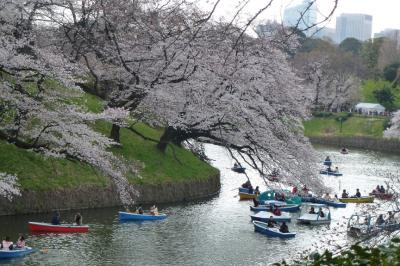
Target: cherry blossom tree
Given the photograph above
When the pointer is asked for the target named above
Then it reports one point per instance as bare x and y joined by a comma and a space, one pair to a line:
331, 79
394, 130
36, 83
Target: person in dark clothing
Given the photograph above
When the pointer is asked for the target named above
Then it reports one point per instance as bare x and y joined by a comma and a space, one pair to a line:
56, 218
140, 209
358, 194
345, 194
251, 190
256, 202
78, 219
284, 228
257, 190
312, 211
382, 190
271, 223
321, 213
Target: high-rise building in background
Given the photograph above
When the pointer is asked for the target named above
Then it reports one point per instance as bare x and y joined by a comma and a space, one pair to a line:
302, 15
358, 26
392, 34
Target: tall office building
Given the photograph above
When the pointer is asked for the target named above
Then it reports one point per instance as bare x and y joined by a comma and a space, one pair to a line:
302, 15
358, 26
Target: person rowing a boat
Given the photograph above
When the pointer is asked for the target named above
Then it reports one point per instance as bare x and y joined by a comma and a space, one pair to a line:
312, 211
7, 244
358, 194
276, 211
284, 228
56, 218
345, 194
154, 210
78, 219
271, 223
20, 241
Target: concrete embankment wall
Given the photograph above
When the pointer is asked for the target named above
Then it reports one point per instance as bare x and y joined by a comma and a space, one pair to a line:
95, 197
367, 143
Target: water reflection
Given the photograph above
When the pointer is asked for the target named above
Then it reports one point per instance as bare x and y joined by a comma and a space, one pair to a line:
211, 232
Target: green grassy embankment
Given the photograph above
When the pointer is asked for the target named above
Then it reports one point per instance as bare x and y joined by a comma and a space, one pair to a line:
354, 126
39, 173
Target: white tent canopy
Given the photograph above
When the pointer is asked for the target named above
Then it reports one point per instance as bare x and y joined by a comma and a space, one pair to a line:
370, 108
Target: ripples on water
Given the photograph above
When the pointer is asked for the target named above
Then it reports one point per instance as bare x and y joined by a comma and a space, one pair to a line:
212, 232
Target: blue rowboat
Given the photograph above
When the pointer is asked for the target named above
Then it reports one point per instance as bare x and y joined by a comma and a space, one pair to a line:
125, 216
331, 203
324, 172
335, 204
264, 216
272, 232
15, 253
285, 208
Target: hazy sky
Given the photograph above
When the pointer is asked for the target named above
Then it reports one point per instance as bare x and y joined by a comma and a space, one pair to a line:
386, 13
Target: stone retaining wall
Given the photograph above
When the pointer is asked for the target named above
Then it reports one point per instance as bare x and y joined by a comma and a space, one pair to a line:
95, 197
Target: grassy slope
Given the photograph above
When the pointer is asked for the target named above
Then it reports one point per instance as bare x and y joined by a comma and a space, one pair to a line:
368, 87
37, 172
353, 126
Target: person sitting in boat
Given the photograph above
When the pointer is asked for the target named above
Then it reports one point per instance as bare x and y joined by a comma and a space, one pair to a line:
56, 218
78, 219
284, 228
251, 189
380, 220
235, 165
321, 213
140, 209
312, 211
382, 190
256, 202
345, 194
376, 190
358, 194
336, 197
154, 210
344, 150
271, 223
7, 244
257, 190
246, 184
329, 169
336, 169
326, 196
276, 211
20, 241
327, 159
294, 190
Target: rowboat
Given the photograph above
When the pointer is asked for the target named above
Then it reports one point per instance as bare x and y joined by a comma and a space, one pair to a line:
61, 228
140, 217
264, 216
15, 253
382, 196
245, 190
238, 169
285, 208
325, 172
368, 199
331, 203
315, 218
344, 151
272, 232
247, 196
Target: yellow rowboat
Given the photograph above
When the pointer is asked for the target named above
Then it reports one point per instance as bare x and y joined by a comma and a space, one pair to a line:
357, 200
246, 196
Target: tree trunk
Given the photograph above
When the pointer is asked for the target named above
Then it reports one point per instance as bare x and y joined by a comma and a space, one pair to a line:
166, 138
115, 132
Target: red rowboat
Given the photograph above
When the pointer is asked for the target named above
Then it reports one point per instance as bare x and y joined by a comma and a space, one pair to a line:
382, 196
61, 228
